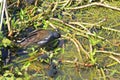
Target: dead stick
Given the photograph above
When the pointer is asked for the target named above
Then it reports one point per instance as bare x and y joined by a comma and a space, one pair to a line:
94, 4
7, 17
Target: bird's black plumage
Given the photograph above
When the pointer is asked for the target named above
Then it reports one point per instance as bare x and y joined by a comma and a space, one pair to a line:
40, 37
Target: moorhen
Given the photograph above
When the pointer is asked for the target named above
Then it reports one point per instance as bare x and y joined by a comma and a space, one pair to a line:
40, 37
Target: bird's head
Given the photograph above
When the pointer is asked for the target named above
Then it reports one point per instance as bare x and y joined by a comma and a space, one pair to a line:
56, 35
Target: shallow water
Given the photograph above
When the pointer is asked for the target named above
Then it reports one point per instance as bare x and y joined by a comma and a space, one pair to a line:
100, 21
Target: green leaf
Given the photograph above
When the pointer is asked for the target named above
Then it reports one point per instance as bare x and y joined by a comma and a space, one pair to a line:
17, 71
6, 42
59, 16
25, 66
51, 56
45, 24
14, 23
92, 57
22, 14
94, 41
1, 35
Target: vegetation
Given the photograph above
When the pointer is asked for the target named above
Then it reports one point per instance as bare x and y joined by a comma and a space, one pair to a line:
90, 31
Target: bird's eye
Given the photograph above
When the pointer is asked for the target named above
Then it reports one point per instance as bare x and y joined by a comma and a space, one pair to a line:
56, 35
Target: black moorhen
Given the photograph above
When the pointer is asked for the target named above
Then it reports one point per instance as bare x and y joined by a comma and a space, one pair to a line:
40, 37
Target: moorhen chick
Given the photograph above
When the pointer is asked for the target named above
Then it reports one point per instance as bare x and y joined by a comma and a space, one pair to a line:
40, 37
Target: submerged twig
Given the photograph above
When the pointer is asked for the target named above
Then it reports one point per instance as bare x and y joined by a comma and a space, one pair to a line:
74, 28
56, 5
95, 4
90, 24
36, 2
114, 58
110, 29
103, 73
80, 46
51, 25
77, 23
76, 44
67, 2
108, 52
12, 4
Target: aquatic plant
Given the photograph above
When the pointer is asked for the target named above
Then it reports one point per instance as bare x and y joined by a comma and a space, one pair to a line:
90, 31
